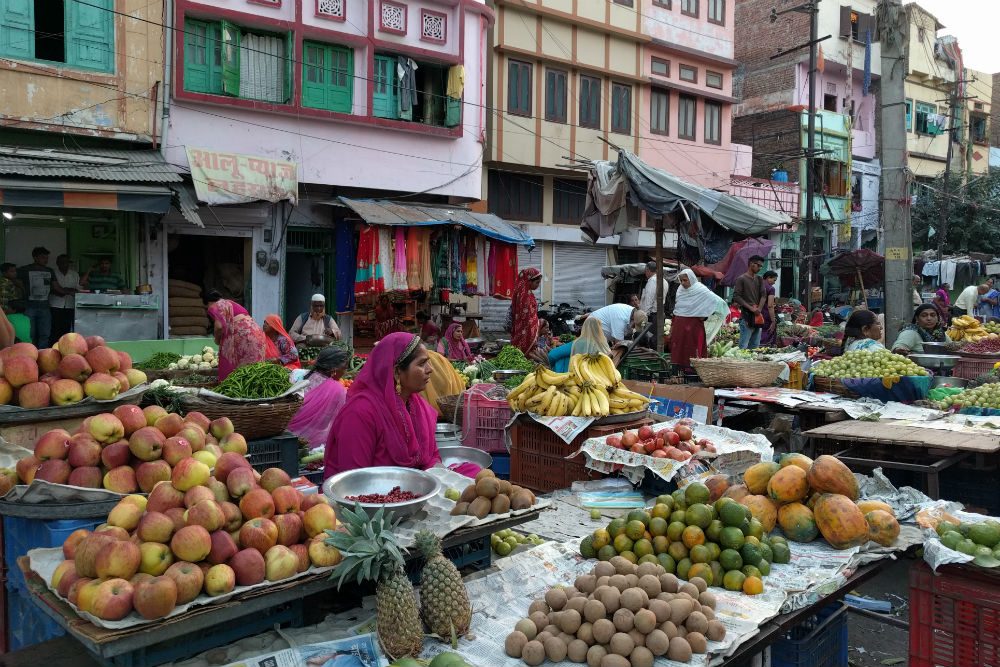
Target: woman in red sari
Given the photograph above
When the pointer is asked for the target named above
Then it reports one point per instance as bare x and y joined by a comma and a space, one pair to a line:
524, 311
385, 421
241, 341
279, 345
698, 315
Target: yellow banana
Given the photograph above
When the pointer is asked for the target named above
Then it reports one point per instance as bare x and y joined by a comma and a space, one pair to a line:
602, 401
578, 408
610, 370
540, 378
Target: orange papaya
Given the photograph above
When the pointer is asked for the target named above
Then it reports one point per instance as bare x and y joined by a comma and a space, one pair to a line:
867, 506
762, 509
828, 475
796, 459
797, 521
788, 485
758, 475
882, 527
717, 485
840, 521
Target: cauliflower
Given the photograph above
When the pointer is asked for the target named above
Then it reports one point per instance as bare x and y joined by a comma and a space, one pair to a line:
204, 366
214, 363
172, 367
183, 363
158, 383
207, 350
196, 358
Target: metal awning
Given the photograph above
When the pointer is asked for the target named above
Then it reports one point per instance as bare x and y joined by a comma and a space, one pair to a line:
90, 164
386, 212
103, 195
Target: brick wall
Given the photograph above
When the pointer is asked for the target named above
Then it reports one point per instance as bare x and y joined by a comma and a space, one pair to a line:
776, 141
766, 84
995, 112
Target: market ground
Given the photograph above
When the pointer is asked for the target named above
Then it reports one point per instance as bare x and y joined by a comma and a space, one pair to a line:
872, 644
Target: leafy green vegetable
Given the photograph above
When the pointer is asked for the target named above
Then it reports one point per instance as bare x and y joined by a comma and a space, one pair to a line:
512, 359
260, 380
158, 361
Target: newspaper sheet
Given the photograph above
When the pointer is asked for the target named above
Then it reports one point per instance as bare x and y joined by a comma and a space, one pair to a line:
359, 651
936, 553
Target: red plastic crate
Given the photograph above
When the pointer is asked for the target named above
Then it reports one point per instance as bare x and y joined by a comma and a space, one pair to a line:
954, 617
483, 422
969, 368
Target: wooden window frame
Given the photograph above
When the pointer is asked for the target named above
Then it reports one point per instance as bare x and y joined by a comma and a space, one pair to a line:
916, 113
722, 79
520, 109
555, 117
659, 61
715, 105
559, 187
909, 122
653, 93
588, 123
625, 3
616, 127
979, 115
697, 8
496, 177
681, 99
708, 12
680, 73
328, 72
664, 4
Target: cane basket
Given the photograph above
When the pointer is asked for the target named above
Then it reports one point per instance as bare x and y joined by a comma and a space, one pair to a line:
729, 372
255, 420
832, 386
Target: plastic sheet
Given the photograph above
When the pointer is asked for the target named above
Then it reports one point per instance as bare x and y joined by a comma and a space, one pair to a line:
906, 390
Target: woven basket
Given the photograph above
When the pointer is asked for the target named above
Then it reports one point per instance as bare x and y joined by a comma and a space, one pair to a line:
832, 386
253, 421
450, 408
728, 372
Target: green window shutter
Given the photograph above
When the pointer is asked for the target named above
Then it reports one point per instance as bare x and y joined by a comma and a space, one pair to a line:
314, 75
384, 95
230, 59
17, 28
197, 57
90, 35
341, 77
289, 65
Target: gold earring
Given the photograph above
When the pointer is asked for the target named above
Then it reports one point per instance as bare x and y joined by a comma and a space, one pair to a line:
399, 389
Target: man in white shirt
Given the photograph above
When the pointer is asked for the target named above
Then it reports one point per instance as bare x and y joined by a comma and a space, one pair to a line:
619, 321
647, 303
314, 323
62, 300
966, 302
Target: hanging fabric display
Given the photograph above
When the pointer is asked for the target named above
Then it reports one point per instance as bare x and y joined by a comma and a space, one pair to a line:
471, 261
369, 277
413, 258
346, 266
505, 273
400, 268
426, 274
385, 259
482, 253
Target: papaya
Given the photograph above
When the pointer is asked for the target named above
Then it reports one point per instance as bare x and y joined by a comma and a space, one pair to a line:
882, 527
798, 523
828, 475
867, 506
796, 459
840, 521
758, 475
737, 492
762, 509
717, 485
813, 497
788, 485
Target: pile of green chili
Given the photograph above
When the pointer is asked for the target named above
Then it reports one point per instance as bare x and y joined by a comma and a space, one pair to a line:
260, 380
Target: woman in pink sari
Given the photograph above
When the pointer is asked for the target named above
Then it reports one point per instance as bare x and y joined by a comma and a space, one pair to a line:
453, 344
324, 397
385, 421
241, 341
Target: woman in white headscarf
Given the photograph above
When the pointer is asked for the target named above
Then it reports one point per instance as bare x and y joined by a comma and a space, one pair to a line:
699, 313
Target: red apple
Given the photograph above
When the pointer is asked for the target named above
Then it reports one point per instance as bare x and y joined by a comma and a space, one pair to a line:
280, 562
175, 449
194, 435
150, 473
260, 534
115, 455
26, 468
146, 444
74, 589
63, 568
313, 499
118, 559
163, 497
156, 598
206, 514
197, 494
53, 444
249, 566
121, 480
319, 518
189, 473
170, 424
54, 470
72, 542
189, 579
83, 451
234, 517
257, 503
198, 418
234, 442
286, 499
152, 413
228, 462
66, 581
106, 428
177, 515
274, 478
113, 600
241, 480
221, 427
289, 528
301, 552
155, 527
191, 543
223, 547
88, 477
131, 417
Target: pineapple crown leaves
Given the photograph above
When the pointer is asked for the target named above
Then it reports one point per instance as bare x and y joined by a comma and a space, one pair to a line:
428, 544
369, 546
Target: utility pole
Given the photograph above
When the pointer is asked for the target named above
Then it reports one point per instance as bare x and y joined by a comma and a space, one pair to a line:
942, 231
895, 197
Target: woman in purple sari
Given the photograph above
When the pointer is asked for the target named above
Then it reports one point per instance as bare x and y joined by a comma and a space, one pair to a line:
324, 398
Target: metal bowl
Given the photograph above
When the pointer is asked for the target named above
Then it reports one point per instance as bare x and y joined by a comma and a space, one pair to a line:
452, 455
939, 348
943, 381
935, 361
447, 429
317, 340
503, 376
381, 479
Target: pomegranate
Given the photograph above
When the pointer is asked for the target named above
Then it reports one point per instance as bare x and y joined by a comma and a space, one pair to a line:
649, 446
683, 431
637, 449
629, 438
614, 441
645, 433
671, 438
659, 454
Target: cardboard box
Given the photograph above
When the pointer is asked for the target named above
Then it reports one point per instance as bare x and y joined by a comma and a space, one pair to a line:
678, 400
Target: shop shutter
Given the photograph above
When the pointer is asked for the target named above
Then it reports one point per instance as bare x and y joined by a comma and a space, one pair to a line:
17, 28
494, 311
90, 35
577, 275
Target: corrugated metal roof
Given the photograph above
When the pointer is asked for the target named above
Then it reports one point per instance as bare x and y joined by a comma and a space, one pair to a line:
385, 212
98, 164
185, 202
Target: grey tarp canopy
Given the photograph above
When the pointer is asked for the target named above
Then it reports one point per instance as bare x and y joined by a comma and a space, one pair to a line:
660, 193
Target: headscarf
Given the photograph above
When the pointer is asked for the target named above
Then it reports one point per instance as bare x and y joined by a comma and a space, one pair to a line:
272, 351
330, 359
242, 342
524, 312
699, 301
591, 340
455, 350
935, 335
944, 296
408, 430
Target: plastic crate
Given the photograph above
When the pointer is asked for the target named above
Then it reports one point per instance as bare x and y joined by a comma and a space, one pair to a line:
484, 420
501, 466
27, 624
972, 488
281, 451
476, 555
954, 617
818, 641
22, 535
970, 368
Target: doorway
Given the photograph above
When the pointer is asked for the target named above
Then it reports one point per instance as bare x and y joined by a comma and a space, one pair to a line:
309, 269
197, 265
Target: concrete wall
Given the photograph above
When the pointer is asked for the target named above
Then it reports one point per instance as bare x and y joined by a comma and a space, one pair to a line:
979, 86
122, 105
844, 50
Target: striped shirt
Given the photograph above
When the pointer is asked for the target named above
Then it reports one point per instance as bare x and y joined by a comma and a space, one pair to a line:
105, 282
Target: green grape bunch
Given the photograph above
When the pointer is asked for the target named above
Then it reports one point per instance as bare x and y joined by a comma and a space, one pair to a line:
868, 364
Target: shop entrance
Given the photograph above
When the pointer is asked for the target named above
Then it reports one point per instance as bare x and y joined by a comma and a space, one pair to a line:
197, 265
309, 270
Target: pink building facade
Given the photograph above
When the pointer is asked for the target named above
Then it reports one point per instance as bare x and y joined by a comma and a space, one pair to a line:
686, 110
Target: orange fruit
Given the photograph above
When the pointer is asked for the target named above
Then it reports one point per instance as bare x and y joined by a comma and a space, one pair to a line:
753, 586
692, 536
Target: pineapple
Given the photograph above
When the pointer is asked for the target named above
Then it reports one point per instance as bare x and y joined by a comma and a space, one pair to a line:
371, 553
444, 602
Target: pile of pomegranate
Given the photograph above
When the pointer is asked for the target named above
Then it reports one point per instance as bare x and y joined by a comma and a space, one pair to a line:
677, 443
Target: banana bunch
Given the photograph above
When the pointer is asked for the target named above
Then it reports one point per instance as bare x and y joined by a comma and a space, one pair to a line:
598, 369
591, 388
966, 328
545, 392
594, 401
622, 400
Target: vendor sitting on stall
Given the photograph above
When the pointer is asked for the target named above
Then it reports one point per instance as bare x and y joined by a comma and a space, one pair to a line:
862, 332
543, 343
453, 345
591, 341
324, 397
317, 322
924, 328
620, 321
385, 421
280, 348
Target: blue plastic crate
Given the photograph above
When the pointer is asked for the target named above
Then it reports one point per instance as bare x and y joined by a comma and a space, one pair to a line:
818, 641
501, 465
26, 623
22, 535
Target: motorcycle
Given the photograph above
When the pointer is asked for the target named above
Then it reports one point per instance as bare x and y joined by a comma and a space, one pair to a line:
563, 318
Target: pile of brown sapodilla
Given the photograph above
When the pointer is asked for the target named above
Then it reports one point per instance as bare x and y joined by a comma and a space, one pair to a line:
619, 615
489, 495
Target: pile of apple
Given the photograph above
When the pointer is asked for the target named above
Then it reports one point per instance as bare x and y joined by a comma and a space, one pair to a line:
677, 443
65, 373
128, 450
198, 533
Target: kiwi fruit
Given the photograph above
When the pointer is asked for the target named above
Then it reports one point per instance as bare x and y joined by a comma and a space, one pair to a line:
679, 610
603, 630
577, 650
611, 599
555, 649
514, 643
484, 473
669, 583
604, 569
488, 487
716, 631
696, 622
618, 581
526, 627
555, 598
505, 487
521, 500
657, 642
533, 653
634, 599
641, 657
586, 583
480, 507
623, 620
621, 644
576, 603
692, 589
645, 621
615, 660
586, 633
468, 494
679, 650
660, 609
501, 505
595, 654
538, 605
571, 620
697, 642
540, 620
593, 610
460, 509
650, 584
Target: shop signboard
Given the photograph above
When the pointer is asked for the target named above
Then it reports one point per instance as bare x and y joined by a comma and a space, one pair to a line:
221, 177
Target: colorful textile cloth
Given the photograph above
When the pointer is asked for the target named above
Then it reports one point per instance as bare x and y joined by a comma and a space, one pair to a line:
369, 277
385, 258
413, 250
282, 347
375, 427
453, 347
320, 407
399, 269
504, 270
687, 339
591, 340
524, 312
242, 341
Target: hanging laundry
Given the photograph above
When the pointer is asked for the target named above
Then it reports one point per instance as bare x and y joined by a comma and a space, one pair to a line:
506, 270
413, 259
406, 70
385, 258
346, 266
456, 81
399, 269
369, 277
